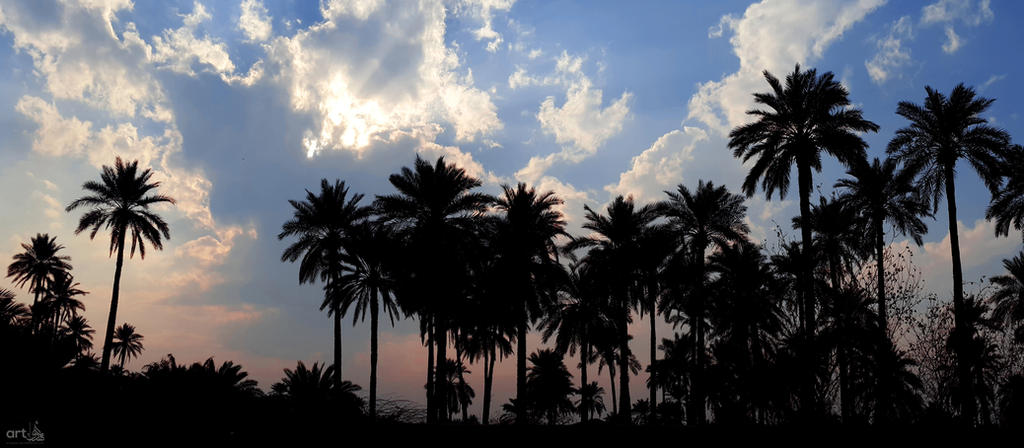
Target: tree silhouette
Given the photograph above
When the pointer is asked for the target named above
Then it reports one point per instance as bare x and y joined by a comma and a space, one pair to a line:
883, 194
127, 343
436, 209
78, 331
38, 266
708, 217
322, 224
529, 261
941, 132
591, 401
60, 298
580, 315
12, 312
121, 203
549, 386
807, 116
616, 245
370, 285
1007, 206
1009, 296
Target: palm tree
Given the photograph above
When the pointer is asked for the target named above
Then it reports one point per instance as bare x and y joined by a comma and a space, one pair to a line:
708, 217
78, 331
810, 115
127, 343
591, 402
437, 210
12, 312
322, 224
941, 132
883, 194
369, 285
39, 265
1007, 206
1009, 296
616, 246
121, 202
61, 298
550, 386
489, 327
577, 319
529, 260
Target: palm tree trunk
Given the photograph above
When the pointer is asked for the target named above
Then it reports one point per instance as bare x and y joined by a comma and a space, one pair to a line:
845, 404
521, 371
625, 406
431, 405
337, 346
967, 405
441, 393
373, 354
488, 382
697, 321
807, 399
615, 403
654, 353
108, 338
882, 401
584, 356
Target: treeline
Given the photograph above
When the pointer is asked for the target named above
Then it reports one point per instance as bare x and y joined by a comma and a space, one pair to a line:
835, 327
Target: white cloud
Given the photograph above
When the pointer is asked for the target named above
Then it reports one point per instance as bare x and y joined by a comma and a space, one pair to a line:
483, 10
56, 135
659, 167
773, 36
891, 54
352, 74
254, 21
952, 41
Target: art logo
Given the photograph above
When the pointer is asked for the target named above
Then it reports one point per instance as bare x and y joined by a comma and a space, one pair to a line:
32, 434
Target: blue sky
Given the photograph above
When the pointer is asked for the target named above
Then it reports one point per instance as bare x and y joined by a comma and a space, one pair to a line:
239, 107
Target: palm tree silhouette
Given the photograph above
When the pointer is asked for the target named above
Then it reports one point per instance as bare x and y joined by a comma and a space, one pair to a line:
576, 320
529, 260
1007, 206
322, 224
1009, 296
127, 343
883, 194
706, 217
369, 284
121, 202
591, 402
489, 322
941, 132
616, 245
12, 312
810, 115
436, 208
61, 299
78, 331
39, 265
550, 386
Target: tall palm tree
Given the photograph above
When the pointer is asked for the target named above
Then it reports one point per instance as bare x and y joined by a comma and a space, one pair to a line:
369, 284
528, 257
322, 224
883, 194
1009, 296
121, 203
436, 208
943, 131
1007, 206
616, 246
708, 217
127, 343
38, 266
806, 117
576, 321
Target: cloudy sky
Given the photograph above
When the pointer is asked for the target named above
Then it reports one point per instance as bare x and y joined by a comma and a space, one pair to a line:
240, 107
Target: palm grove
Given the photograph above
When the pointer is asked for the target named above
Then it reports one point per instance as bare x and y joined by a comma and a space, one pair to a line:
834, 326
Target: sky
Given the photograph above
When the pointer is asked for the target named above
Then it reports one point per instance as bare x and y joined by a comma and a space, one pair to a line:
239, 107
